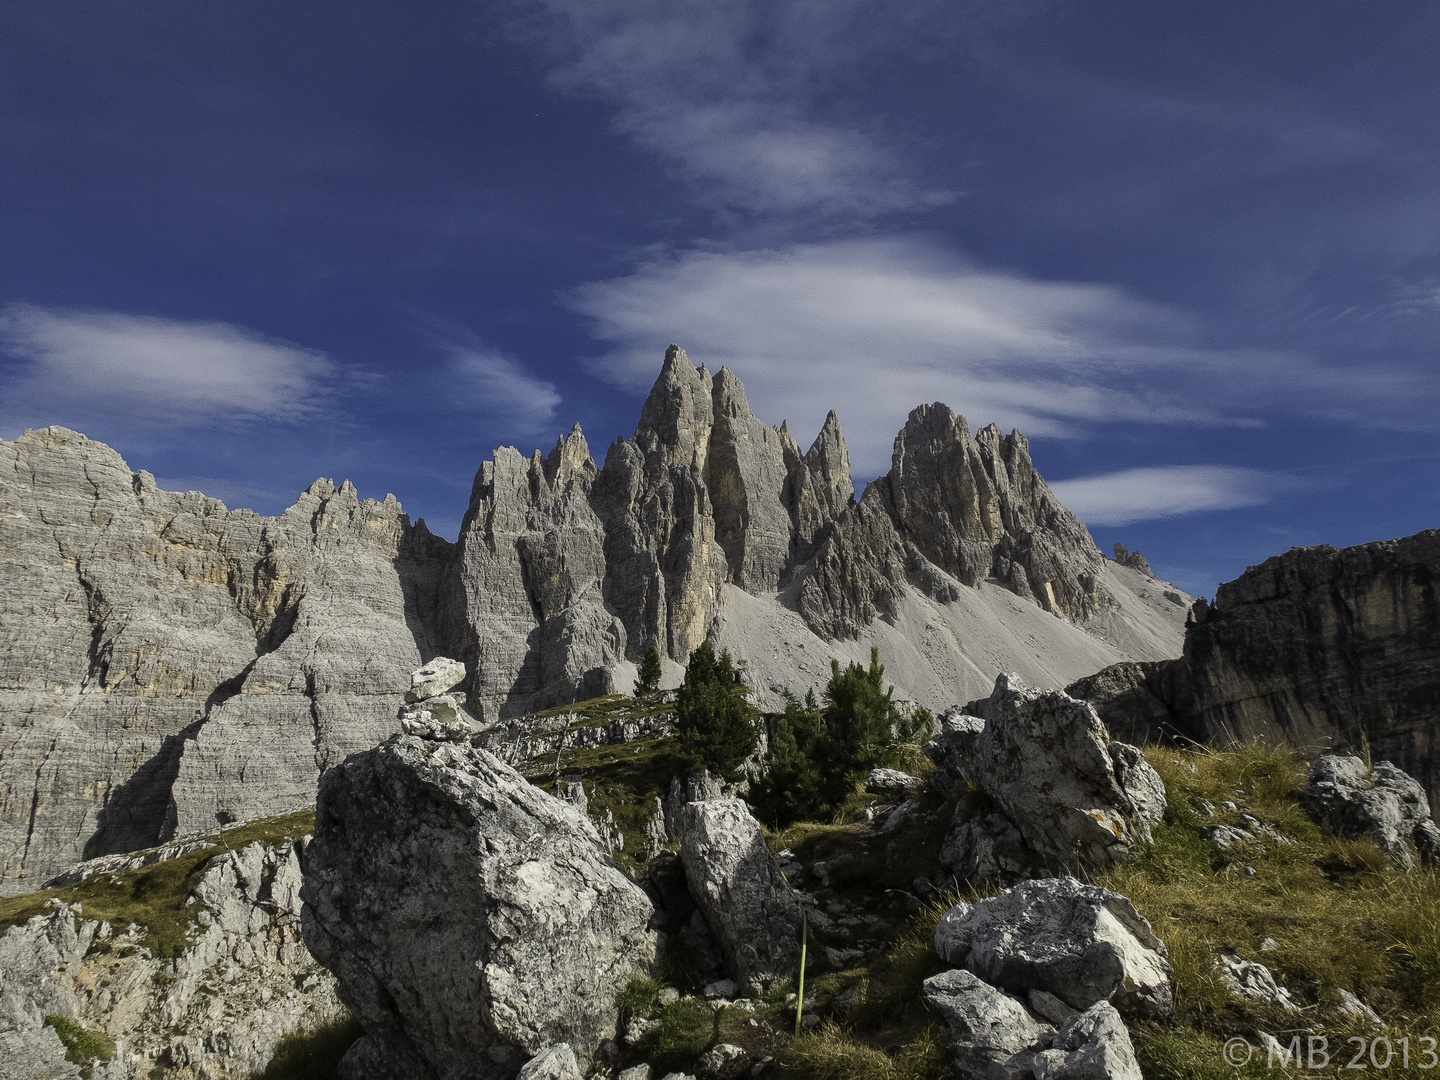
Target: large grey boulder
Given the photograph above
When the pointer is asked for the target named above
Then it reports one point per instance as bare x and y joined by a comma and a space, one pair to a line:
1079, 942
993, 1036
736, 884
1092, 1045
1383, 803
1047, 767
470, 918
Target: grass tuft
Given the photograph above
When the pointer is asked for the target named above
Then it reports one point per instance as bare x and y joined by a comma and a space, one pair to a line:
82, 1046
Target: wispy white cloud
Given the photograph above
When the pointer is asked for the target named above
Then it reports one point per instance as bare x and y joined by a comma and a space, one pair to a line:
1130, 495
873, 328
81, 367
481, 379
731, 93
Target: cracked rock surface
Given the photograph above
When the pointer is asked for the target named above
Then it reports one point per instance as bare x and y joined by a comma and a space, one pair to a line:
470, 919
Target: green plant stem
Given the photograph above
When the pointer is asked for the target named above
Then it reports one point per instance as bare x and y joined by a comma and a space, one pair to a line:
800, 993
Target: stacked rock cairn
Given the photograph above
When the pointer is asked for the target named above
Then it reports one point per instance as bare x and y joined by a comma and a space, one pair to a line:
432, 708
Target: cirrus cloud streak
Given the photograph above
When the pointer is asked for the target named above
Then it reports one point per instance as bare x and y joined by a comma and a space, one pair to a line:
1130, 495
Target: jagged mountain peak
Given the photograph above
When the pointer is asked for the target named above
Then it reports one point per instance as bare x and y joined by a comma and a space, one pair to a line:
290, 638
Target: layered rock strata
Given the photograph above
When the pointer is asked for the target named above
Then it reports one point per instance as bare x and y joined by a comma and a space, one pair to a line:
155, 648
1318, 647
470, 919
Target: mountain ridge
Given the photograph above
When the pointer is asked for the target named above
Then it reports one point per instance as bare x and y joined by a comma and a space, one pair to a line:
170, 664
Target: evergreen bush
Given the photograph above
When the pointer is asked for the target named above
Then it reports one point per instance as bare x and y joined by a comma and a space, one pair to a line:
713, 722
649, 684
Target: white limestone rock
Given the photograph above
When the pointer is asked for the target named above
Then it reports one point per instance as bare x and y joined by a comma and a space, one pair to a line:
1252, 979
467, 915
735, 882
434, 678
555, 1062
1383, 803
1092, 1045
1063, 794
892, 783
993, 1036
1079, 942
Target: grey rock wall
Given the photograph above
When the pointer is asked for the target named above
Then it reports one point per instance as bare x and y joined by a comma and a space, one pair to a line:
242, 983
155, 648
1318, 647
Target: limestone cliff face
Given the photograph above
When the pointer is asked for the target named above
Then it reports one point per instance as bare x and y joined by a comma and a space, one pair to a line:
167, 665
1319, 647
566, 572
155, 648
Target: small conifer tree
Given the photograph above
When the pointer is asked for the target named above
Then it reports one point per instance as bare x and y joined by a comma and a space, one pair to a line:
790, 789
861, 723
711, 718
649, 683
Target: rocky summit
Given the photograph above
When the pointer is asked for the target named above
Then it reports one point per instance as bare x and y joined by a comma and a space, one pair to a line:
168, 665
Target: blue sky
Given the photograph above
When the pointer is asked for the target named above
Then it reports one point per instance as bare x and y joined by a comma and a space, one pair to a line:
1193, 251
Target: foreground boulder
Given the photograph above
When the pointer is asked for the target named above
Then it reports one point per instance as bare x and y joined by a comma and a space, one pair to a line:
1081, 943
992, 1035
738, 887
1060, 794
470, 918
1092, 1045
1384, 803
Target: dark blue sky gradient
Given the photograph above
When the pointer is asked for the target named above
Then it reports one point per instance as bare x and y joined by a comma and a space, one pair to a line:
390, 185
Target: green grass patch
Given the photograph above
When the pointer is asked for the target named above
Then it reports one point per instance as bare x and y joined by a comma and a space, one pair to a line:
1342, 916
82, 1046
596, 712
154, 897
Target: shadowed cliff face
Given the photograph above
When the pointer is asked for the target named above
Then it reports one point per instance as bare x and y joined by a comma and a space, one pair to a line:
167, 665
1316, 647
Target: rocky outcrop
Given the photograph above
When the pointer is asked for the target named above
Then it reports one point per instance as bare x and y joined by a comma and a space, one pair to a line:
1080, 943
1320, 648
1057, 793
468, 916
242, 981
1093, 1045
993, 1036
736, 884
1382, 803
156, 647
